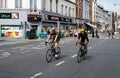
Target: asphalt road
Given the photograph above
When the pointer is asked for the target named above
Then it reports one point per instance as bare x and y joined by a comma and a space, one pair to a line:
27, 60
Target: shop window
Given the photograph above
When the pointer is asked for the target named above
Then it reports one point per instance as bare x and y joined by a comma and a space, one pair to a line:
18, 3
11, 31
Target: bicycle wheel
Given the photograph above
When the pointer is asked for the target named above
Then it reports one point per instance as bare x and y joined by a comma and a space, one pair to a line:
59, 53
79, 58
49, 55
85, 55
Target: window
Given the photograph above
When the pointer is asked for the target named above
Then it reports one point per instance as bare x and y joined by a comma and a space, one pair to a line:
69, 11
18, 3
51, 5
62, 9
66, 10
73, 12
44, 5
57, 6
33, 5
3, 3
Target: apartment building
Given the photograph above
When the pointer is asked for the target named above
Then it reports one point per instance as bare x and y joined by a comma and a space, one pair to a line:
19, 16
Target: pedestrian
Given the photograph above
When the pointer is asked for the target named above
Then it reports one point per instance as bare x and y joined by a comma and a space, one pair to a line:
93, 33
96, 33
112, 33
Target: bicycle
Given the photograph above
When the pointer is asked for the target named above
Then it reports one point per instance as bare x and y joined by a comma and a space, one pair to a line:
82, 53
51, 52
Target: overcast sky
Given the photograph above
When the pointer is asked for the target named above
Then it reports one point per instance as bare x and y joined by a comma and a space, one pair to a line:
109, 5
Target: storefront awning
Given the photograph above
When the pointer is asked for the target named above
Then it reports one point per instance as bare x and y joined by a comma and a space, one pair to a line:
91, 25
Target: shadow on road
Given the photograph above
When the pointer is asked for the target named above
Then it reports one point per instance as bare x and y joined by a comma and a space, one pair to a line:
89, 57
63, 56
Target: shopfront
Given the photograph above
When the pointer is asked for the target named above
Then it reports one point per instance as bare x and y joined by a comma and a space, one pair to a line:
9, 24
65, 24
11, 31
12, 22
34, 21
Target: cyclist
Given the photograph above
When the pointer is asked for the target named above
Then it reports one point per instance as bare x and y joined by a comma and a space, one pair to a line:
55, 36
84, 39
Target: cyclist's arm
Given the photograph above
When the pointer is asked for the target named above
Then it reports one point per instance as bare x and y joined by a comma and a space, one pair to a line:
56, 38
78, 38
48, 38
86, 37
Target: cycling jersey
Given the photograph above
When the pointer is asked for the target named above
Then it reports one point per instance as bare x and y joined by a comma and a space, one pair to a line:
83, 37
53, 36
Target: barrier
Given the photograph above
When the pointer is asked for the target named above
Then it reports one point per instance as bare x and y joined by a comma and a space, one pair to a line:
42, 35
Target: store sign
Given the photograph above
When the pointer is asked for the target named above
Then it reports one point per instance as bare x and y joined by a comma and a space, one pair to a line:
65, 19
53, 18
9, 15
34, 18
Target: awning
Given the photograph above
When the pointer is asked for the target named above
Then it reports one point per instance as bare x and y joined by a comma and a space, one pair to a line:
91, 25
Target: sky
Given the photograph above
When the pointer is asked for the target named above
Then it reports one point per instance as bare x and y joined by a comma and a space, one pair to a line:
110, 5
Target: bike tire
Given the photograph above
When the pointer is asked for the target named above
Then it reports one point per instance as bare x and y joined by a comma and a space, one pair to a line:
85, 56
59, 53
49, 55
79, 58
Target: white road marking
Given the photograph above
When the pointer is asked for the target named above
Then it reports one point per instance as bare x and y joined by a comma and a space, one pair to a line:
117, 38
90, 48
60, 63
15, 47
5, 54
25, 51
74, 56
38, 48
36, 75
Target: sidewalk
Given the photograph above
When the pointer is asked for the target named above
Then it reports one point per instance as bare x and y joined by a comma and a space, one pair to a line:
5, 41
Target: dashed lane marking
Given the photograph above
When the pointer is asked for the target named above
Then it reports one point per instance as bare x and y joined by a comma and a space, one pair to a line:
36, 75
74, 56
90, 48
25, 51
5, 54
60, 63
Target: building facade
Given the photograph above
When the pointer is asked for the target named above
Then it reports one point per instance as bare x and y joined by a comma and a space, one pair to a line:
19, 16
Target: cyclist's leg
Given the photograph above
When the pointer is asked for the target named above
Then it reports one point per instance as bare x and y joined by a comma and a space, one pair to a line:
56, 45
85, 44
80, 45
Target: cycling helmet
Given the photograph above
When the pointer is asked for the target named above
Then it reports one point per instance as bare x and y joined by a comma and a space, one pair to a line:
82, 30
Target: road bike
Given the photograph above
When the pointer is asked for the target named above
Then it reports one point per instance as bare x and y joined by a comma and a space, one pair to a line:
51, 52
82, 52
